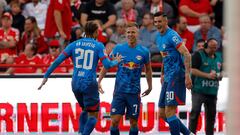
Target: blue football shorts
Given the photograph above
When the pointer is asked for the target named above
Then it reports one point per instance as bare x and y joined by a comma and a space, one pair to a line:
128, 102
86, 93
173, 93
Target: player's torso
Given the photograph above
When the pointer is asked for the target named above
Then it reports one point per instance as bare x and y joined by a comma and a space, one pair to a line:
85, 58
129, 70
172, 59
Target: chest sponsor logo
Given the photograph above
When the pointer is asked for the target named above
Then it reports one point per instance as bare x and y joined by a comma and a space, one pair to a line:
131, 65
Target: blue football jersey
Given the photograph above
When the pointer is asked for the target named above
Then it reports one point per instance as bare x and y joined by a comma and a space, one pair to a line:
85, 54
130, 69
172, 59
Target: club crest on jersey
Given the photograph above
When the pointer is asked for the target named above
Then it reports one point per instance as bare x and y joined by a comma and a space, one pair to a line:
138, 57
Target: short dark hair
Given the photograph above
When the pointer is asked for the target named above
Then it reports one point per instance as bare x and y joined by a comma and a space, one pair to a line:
150, 14
200, 41
90, 28
132, 24
160, 14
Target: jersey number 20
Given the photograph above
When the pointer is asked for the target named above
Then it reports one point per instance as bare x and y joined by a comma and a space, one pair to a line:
86, 56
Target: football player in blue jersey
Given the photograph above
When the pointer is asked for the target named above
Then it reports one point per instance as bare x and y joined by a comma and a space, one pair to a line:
127, 86
85, 54
175, 75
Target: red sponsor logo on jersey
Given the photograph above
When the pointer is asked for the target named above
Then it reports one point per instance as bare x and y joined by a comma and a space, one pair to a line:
131, 65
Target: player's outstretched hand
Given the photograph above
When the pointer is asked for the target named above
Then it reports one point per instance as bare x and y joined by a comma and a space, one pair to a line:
188, 82
145, 93
100, 88
43, 83
118, 57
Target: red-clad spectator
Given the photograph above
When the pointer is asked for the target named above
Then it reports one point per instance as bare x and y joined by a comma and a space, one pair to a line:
102, 36
127, 12
8, 38
59, 19
27, 57
185, 34
192, 10
32, 34
54, 51
154, 6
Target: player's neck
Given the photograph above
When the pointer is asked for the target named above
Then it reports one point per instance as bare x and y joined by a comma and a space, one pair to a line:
90, 37
163, 31
132, 44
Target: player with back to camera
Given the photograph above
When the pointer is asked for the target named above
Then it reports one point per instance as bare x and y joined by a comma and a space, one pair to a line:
85, 53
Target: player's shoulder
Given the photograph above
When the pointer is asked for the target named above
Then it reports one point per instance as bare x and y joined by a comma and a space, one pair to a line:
121, 46
143, 48
98, 45
172, 32
74, 43
174, 36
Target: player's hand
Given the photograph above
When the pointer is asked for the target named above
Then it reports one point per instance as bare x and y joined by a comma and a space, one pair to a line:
100, 88
162, 79
118, 57
188, 82
43, 83
145, 93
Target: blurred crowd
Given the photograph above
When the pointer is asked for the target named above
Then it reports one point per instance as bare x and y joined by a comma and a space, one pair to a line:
36, 31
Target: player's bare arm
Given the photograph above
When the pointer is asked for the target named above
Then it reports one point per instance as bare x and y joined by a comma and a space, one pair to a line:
148, 71
101, 76
187, 62
162, 71
103, 72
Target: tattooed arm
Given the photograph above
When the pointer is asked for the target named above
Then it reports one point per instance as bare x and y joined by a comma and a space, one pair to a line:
187, 62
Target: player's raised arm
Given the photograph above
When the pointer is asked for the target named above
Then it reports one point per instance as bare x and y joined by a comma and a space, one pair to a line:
65, 54
105, 60
116, 59
187, 62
